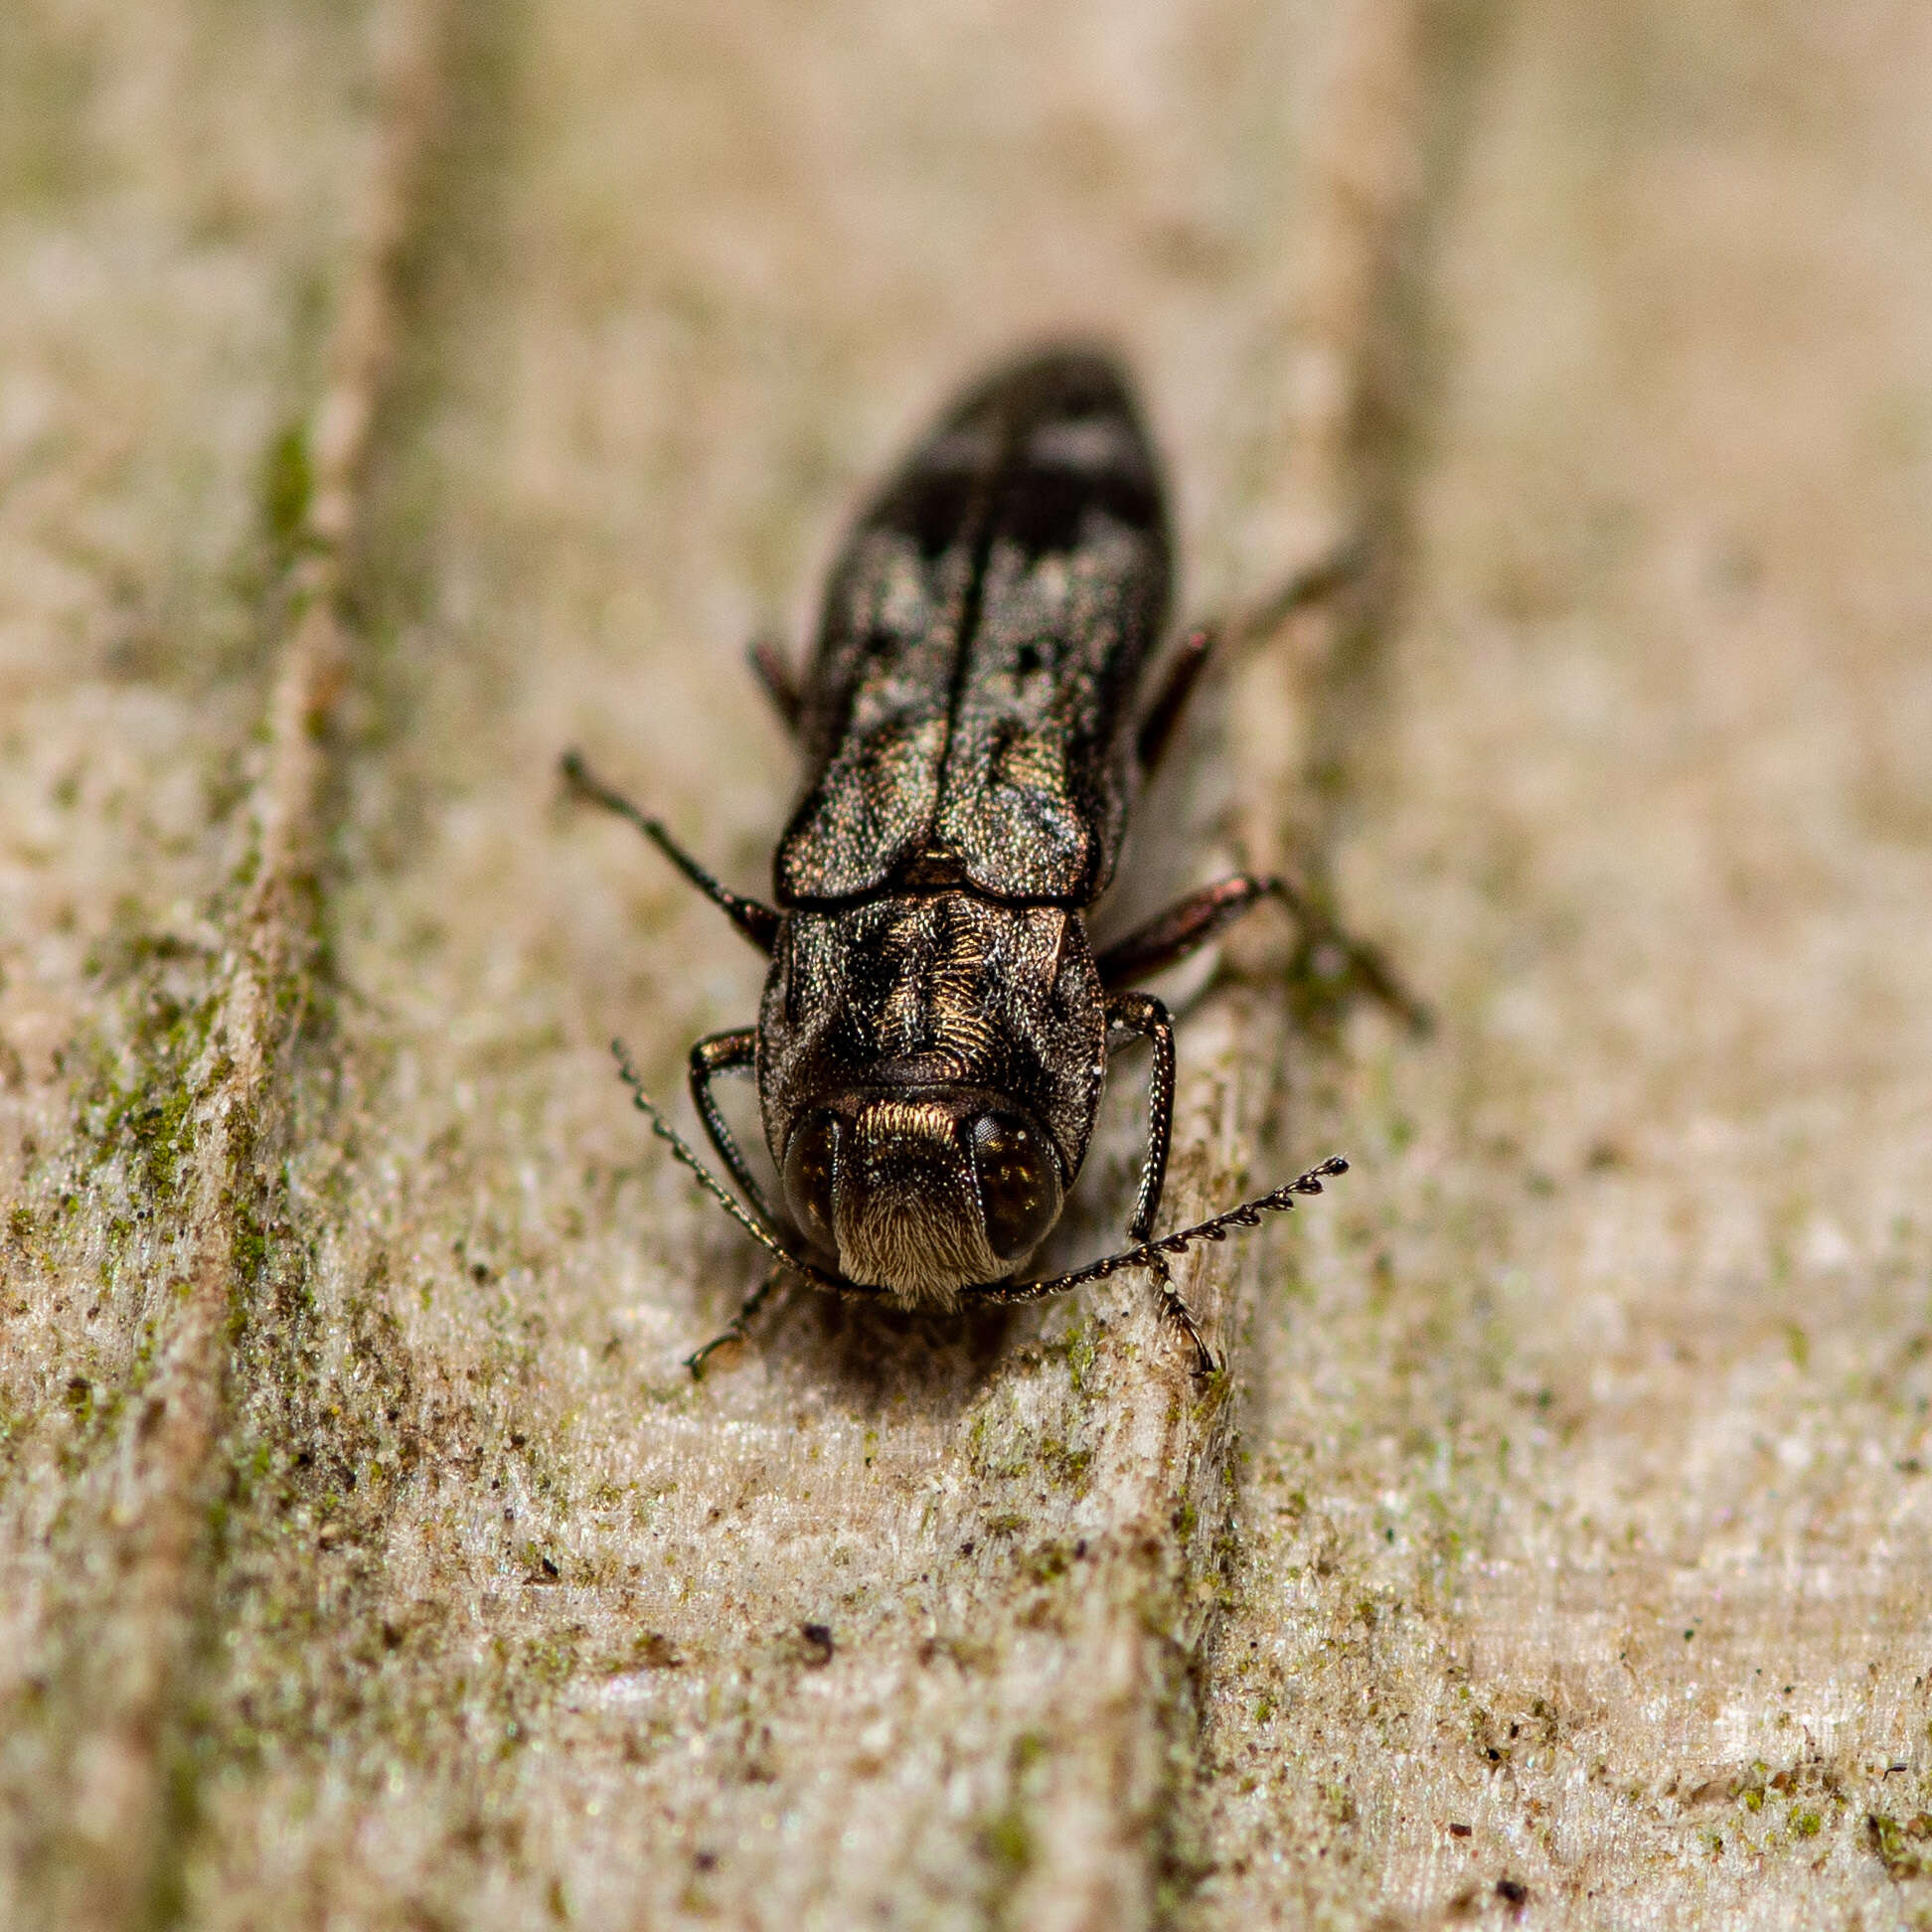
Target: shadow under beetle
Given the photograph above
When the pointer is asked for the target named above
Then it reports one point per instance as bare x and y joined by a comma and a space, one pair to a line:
934, 1031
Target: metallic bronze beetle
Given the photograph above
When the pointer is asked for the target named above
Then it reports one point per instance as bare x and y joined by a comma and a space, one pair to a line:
934, 1032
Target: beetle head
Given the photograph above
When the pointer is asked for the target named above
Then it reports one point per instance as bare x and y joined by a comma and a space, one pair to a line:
923, 1196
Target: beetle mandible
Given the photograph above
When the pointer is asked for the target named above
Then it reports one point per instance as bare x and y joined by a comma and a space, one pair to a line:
934, 1032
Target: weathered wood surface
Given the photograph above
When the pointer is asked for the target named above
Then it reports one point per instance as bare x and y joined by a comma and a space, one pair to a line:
390, 396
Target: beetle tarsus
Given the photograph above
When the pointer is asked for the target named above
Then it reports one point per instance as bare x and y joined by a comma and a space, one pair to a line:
739, 1325
1177, 1310
1363, 964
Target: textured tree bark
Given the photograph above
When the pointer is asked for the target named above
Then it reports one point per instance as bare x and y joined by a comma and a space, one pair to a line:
1581, 1561
393, 397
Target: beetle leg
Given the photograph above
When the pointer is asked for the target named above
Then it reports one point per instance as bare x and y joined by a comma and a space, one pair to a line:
738, 1326
1309, 584
1181, 1315
759, 923
1182, 929
769, 1234
1165, 712
728, 1052
1142, 1014
780, 682
1187, 927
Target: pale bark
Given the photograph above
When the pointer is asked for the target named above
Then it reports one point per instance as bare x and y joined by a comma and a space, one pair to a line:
392, 398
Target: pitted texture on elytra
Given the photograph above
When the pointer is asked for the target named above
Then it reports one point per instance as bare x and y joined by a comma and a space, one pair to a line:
981, 642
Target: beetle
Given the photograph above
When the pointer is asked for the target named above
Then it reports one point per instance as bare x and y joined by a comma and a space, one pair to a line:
936, 1024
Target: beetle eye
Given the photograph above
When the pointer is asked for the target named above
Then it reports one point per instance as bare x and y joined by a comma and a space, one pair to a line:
811, 1165
1018, 1185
